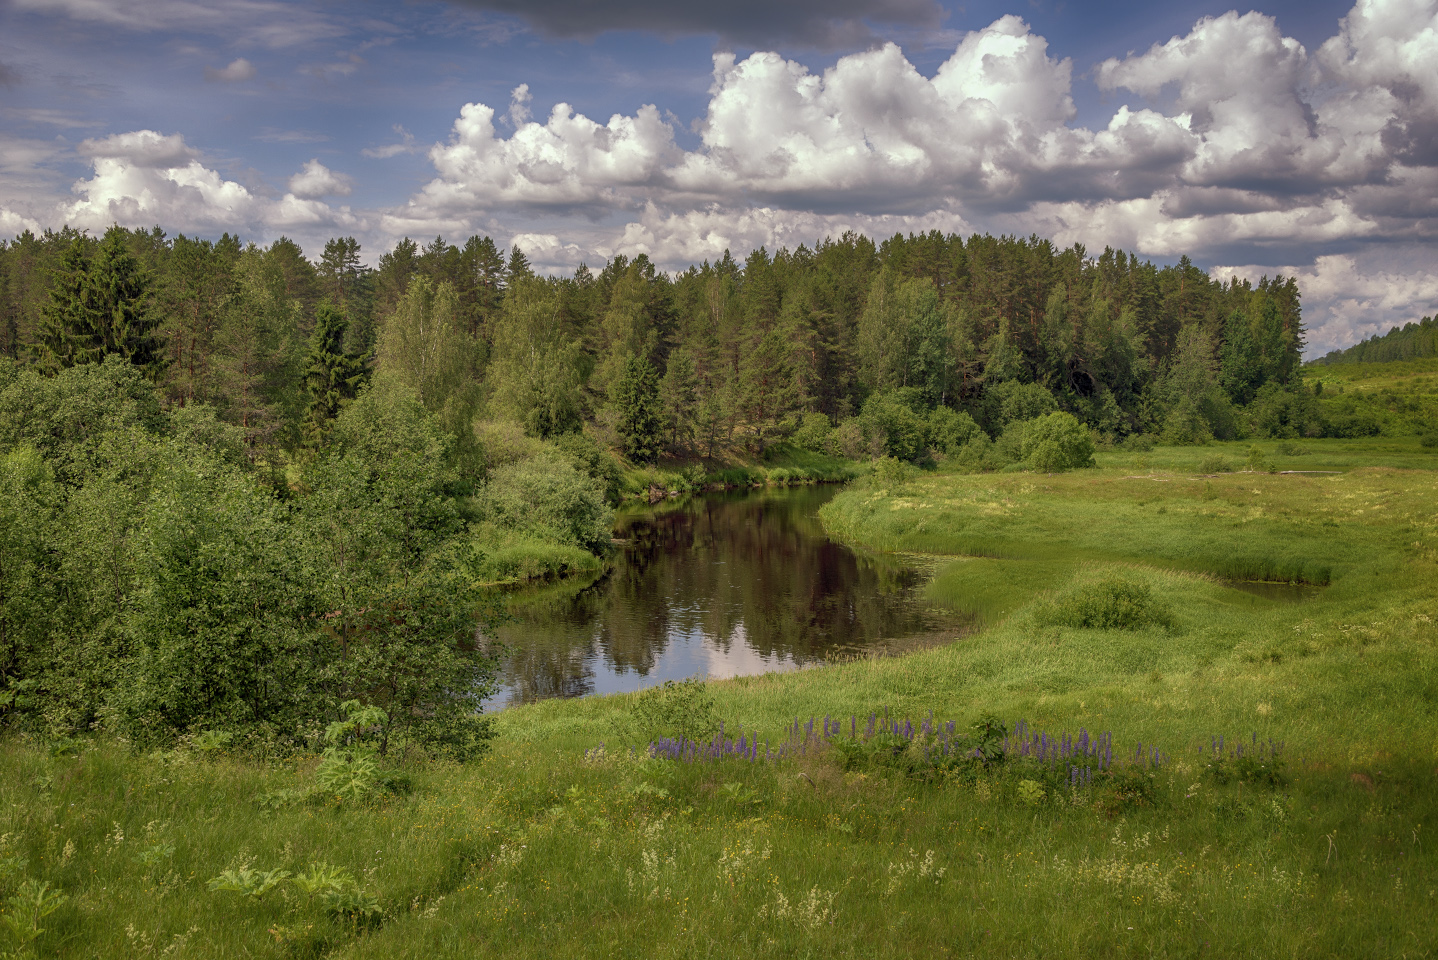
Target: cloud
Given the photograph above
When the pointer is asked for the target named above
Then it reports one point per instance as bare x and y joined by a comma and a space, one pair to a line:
270, 23
406, 144
316, 181
9, 76
238, 70
755, 23
275, 135
142, 177
141, 149
1238, 140
870, 135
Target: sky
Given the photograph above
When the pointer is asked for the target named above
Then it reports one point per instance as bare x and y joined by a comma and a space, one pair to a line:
1300, 138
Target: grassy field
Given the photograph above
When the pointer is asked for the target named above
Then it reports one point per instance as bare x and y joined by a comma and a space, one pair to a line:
1106, 602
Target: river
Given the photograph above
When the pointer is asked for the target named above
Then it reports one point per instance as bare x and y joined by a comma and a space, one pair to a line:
720, 585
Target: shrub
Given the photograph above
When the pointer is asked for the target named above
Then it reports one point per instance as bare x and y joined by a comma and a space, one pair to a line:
890, 473
891, 417
683, 709
1054, 443
815, 433
1215, 464
1013, 402
950, 430
547, 497
1110, 604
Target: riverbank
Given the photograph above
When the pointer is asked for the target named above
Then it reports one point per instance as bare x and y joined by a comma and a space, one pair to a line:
1102, 612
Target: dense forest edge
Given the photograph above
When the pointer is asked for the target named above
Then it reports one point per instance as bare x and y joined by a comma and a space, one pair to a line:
1412, 341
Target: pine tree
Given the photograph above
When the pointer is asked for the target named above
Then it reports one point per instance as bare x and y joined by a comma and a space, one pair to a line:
64, 311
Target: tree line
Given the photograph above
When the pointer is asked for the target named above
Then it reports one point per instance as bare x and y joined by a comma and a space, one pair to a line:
1412, 341
656, 364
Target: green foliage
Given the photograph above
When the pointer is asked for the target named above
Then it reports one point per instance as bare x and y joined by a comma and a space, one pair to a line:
333, 377
534, 377
890, 473
675, 708
1012, 401
1109, 604
30, 904
815, 433
950, 430
902, 430
547, 497
635, 397
100, 307
1056, 442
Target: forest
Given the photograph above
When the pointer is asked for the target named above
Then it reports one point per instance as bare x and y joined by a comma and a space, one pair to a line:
681, 365
1412, 341
258, 518
242, 488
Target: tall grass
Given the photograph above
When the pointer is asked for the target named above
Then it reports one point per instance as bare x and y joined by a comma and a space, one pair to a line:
551, 847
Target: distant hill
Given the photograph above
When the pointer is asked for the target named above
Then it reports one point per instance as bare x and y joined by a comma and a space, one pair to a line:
1408, 342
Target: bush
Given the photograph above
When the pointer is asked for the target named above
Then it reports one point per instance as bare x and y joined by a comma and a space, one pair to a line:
1013, 402
682, 709
815, 433
588, 458
950, 430
1215, 464
890, 473
546, 497
891, 417
1110, 604
1055, 443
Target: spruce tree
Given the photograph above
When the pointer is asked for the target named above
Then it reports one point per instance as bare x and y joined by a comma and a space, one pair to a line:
636, 399
332, 376
101, 307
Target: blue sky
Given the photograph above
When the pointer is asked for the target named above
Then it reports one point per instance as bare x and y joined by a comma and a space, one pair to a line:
1300, 138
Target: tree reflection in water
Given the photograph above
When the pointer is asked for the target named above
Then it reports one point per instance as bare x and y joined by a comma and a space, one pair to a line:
726, 584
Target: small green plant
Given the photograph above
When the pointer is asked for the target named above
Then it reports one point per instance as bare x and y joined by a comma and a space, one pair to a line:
1031, 793
738, 794
683, 709
31, 903
213, 742
1125, 789
247, 881
331, 889
1215, 463
1256, 461
350, 770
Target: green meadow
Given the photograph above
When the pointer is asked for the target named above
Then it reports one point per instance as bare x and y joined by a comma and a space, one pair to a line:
1110, 600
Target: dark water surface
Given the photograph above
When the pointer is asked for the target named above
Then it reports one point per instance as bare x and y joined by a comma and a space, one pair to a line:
720, 585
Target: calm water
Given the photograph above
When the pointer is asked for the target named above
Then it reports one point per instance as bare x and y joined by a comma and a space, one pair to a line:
723, 585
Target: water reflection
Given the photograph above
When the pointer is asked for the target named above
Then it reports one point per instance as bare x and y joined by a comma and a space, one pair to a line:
721, 585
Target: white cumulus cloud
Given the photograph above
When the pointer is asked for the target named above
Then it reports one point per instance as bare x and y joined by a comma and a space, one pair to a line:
316, 181
142, 177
